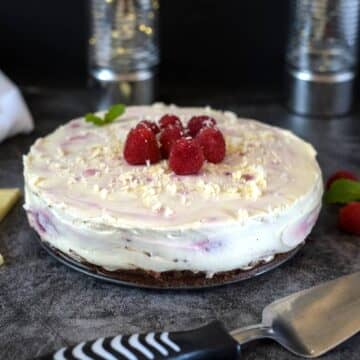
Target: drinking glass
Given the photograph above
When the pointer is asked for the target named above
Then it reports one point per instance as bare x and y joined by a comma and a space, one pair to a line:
322, 55
123, 48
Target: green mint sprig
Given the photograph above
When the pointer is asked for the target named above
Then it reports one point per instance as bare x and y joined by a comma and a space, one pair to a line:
343, 191
113, 113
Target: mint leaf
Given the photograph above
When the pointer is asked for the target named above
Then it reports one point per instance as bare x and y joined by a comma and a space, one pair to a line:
94, 119
114, 112
343, 191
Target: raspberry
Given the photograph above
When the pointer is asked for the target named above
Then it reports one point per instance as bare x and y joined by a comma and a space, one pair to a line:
342, 174
349, 218
186, 157
141, 146
170, 119
198, 122
213, 144
149, 124
168, 137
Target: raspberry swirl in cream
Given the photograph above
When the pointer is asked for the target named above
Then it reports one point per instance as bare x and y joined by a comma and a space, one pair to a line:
83, 197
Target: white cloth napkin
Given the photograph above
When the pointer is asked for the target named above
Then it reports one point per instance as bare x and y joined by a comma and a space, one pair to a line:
14, 115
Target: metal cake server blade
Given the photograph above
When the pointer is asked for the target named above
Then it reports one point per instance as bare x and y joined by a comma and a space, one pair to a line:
311, 322
307, 323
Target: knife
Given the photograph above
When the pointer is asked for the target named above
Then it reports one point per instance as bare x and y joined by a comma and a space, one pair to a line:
307, 323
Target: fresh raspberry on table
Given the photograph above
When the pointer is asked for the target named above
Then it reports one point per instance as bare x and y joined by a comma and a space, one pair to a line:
149, 124
342, 174
213, 144
186, 157
196, 123
141, 147
349, 218
168, 137
170, 119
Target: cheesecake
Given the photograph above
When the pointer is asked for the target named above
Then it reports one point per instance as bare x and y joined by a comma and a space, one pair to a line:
86, 201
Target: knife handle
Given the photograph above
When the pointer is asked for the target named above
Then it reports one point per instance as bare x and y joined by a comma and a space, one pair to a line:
210, 342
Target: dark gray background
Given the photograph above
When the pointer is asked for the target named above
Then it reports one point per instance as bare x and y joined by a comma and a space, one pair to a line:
230, 42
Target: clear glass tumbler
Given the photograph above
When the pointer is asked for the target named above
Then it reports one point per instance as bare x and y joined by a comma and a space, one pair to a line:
123, 37
123, 43
322, 55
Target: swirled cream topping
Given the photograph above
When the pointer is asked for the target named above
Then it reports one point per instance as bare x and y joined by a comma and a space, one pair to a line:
80, 168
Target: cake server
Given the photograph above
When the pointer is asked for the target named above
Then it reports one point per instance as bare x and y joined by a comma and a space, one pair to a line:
307, 323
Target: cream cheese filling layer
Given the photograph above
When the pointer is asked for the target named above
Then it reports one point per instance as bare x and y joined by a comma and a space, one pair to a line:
210, 249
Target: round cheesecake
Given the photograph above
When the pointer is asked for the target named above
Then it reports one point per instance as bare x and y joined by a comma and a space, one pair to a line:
86, 201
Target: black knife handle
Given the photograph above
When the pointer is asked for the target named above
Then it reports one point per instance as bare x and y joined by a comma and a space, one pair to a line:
210, 342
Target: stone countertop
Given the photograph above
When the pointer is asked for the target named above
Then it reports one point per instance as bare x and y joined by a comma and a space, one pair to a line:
45, 305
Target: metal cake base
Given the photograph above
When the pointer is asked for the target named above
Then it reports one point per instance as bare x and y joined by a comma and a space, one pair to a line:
172, 280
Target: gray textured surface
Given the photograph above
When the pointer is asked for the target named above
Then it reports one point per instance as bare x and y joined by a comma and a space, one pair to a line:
44, 305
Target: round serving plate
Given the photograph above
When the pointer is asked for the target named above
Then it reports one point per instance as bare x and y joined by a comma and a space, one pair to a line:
173, 280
